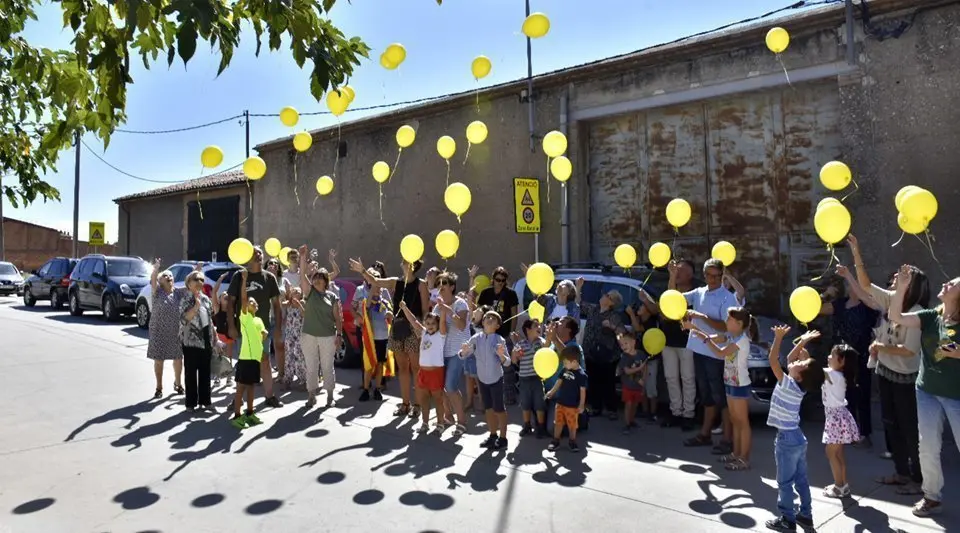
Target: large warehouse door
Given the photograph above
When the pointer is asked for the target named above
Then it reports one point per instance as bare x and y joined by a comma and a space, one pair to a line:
211, 227
747, 164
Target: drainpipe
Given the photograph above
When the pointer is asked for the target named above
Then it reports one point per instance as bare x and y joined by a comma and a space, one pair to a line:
564, 191
851, 52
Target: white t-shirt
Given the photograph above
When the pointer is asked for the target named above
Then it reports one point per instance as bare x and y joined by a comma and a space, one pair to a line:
735, 371
559, 311
431, 349
291, 280
834, 388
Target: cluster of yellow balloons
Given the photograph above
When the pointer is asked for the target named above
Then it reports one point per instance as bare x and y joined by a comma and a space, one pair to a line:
724, 252
338, 100
393, 56
678, 212
805, 304
916, 207
778, 40
555, 145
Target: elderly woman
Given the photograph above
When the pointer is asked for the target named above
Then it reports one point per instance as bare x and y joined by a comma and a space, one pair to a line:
563, 303
164, 344
197, 339
322, 328
601, 350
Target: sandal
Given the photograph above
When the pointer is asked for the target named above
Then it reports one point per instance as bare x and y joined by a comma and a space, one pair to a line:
910, 489
729, 458
737, 465
158, 394
459, 430
699, 440
415, 411
178, 389
832, 491
402, 410
891, 480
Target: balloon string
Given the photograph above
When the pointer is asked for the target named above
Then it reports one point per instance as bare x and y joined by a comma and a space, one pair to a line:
933, 255
902, 235
296, 157
673, 245
478, 100
469, 144
833, 257
647, 279
317, 197
548, 179
200, 207
785, 73
395, 164
250, 198
855, 189
381, 206
336, 160
448, 171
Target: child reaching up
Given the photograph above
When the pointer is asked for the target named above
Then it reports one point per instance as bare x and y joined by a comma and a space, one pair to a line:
490, 350
570, 391
840, 427
633, 374
432, 333
252, 333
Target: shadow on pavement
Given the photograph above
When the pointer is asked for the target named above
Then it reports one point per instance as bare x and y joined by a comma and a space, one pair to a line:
33, 506
299, 420
136, 498
208, 500
129, 413
216, 429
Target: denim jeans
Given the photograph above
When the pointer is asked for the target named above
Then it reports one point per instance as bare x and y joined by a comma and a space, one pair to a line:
931, 410
790, 452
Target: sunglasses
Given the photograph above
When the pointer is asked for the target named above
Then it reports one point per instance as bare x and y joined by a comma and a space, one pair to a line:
500, 280
445, 283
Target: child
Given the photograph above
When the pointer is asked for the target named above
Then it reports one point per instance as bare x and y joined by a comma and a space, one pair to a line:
645, 317
736, 380
295, 365
531, 386
490, 350
632, 370
253, 333
571, 394
790, 447
840, 427
432, 333
470, 363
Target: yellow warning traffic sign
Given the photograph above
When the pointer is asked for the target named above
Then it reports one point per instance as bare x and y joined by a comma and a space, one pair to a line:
526, 193
97, 232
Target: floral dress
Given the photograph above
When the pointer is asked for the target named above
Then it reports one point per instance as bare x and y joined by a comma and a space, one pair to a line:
165, 326
295, 366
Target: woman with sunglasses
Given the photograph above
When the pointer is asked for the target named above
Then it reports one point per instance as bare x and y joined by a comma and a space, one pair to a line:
322, 328
165, 327
197, 339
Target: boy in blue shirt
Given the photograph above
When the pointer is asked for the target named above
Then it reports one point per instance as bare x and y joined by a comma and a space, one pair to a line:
790, 448
570, 392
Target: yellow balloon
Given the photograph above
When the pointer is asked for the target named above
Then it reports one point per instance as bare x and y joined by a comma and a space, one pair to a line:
476, 133
725, 252
284, 256
240, 251
546, 362
673, 305
350, 93
659, 254
536, 311
835, 176
302, 141
481, 67
411, 248
457, 198
446, 146
272, 246
898, 199
254, 168
919, 204
396, 53
805, 304
447, 242
554, 144
405, 136
386, 63
678, 212
654, 341
481, 282
832, 223
625, 255
778, 40
210, 157
536, 25
827, 201
381, 171
337, 102
289, 117
911, 225
324, 185
561, 168
540, 278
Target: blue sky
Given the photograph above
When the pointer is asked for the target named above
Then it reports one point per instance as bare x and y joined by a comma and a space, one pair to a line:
441, 42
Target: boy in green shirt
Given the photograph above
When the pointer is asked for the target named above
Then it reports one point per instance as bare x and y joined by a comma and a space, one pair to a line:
252, 333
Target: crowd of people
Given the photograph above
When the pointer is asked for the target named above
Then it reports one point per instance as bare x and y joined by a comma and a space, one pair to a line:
441, 339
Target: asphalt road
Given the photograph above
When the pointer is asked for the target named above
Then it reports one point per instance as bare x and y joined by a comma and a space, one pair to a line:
85, 448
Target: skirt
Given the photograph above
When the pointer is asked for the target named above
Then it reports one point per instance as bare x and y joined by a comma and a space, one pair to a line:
840, 427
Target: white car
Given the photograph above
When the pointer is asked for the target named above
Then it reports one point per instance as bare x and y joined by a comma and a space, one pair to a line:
212, 272
11, 281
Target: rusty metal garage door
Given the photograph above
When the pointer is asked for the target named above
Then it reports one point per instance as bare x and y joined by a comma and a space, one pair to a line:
747, 164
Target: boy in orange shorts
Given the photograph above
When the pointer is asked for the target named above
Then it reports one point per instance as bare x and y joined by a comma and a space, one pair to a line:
570, 392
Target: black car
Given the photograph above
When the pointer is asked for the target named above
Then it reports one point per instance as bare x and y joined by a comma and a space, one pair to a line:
49, 282
110, 284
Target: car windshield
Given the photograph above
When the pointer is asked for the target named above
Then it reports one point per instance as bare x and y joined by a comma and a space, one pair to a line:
128, 268
7, 269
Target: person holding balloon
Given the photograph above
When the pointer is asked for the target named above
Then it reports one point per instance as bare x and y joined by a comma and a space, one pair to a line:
601, 349
164, 343
454, 311
322, 329
562, 303
643, 317
525, 348
678, 360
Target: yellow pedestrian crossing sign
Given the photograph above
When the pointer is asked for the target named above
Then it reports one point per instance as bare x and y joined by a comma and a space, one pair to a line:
526, 193
97, 232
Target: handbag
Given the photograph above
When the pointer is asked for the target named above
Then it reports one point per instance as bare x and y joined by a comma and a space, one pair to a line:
221, 366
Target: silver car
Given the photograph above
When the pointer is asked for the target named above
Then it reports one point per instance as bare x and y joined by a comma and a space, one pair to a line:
11, 281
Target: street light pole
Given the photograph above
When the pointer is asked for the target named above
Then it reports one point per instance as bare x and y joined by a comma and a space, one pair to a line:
76, 196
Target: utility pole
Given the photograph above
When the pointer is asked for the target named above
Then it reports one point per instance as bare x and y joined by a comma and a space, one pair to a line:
76, 196
2, 253
246, 117
533, 143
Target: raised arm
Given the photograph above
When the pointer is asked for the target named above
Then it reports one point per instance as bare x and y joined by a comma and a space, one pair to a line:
243, 290
863, 294
779, 332
801, 345
737, 287
417, 326
720, 351
862, 277
895, 313
719, 325
216, 292
334, 267
376, 283
305, 283
154, 275
649, 302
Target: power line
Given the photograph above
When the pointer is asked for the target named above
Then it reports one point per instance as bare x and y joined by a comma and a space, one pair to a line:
178, 130
129, 175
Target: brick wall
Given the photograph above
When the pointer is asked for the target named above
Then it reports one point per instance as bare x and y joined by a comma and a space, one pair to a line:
29, 245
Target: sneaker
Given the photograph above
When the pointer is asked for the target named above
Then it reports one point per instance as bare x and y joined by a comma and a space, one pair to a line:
526, 430
573, 446
541, 431
238, 421
439, 428
415, 411
253, 420
687, 424
833, 491
311, 400
331, 402
274, 402
365, 396
216, 382
781, 524
424, 427
925, 508
717, 430
229, 382
210, 408
491, 440
377, 395
554, 444
845, 491
805, 523
499, 444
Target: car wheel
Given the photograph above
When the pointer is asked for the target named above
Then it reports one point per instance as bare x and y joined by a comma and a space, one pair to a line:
55, 302
28, 299
110, 313
143, 315
75, 308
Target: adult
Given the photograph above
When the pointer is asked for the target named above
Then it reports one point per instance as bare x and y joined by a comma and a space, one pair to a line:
322, 329
454, 312
937, 392
197, 340
164, 344
562, 303
678, 362
261, 286
291, 276
432, 289
601, 349
372, 306
403, 342
896, 350
708, 306
279, 348
849, 307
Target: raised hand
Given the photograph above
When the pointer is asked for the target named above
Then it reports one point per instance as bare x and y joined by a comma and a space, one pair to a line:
473, 271
843, 271
780, 331
580, 282
853, 242
673, 268
356, 265
332, 255
904, 276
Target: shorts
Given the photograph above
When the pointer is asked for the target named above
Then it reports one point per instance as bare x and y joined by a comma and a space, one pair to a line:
381, 348
531, 394
650, 385
248, 372
430, 379
741, 393
633, 396
710, 387
409, 345
470, 366
454, 373
491, 396
566, 416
